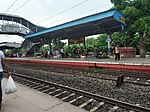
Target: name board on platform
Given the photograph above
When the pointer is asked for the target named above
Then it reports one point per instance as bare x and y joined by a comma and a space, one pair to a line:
76, 41
122, 19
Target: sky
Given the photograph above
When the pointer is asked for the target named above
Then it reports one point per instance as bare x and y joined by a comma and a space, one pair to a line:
50, 13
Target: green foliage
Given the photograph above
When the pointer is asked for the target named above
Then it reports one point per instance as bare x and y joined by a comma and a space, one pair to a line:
143, 25
57, 44
89, 48
137, 13
91, 41
101, 42
70, 48
97, 43
6, 52
43, 49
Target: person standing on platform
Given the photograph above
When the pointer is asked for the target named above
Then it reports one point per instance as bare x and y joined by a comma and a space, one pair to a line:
117, 53
74, 52
2, 67
45, 54
62, 52
49, 53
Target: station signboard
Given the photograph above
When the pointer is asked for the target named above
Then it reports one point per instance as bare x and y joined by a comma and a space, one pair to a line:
122, 20
108, 40
76, 40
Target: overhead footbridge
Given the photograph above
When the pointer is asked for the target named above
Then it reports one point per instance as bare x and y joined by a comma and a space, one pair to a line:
105, 22
16, 25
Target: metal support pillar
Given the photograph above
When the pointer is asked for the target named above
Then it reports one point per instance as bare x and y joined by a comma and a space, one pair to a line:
68, 43
2, 23
36, 29
34, 50
84, 43
12, 24
20, 25
28, 25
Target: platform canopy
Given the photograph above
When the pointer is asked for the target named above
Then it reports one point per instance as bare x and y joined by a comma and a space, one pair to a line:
105, 22
9, 45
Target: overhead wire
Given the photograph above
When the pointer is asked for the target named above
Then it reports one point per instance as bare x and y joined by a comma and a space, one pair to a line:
64, 11
21, 6
79, 14
10, 6
69, 9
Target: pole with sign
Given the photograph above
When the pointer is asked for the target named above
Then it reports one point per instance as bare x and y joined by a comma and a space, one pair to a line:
108, 40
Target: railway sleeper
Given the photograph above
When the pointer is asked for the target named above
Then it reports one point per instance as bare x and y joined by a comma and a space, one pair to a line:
60, 94
48, 90
68, 96
86, 103
54, 91
39, 86
114, 109
96, 107
72, 101
43, 88
63, 95
33, 85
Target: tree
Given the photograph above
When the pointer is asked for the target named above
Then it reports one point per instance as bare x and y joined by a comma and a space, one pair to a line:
57, 44
90, 44
137, 13
101, 43
97, 43
142, 26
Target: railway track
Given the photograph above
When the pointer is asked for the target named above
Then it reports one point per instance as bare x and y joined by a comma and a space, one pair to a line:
82, 99
137, 78
136, 81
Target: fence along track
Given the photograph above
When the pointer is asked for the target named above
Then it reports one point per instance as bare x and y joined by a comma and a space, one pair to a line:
74, 95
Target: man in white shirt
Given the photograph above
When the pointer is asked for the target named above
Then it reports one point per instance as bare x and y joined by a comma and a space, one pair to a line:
49, 53
2, 67
62, 52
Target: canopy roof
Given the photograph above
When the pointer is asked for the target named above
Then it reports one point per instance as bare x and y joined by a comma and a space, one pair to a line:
9, 45
104, 22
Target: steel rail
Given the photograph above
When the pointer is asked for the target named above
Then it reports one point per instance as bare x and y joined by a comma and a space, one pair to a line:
111, 79
94, 96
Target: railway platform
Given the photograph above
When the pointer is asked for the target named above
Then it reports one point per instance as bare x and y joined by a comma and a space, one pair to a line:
137, 64
26, 99
136, 60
